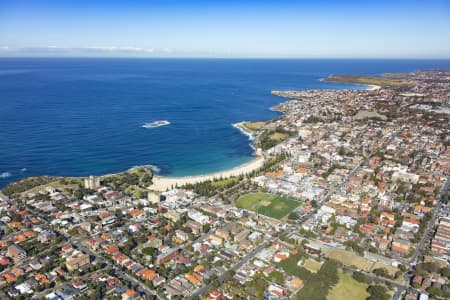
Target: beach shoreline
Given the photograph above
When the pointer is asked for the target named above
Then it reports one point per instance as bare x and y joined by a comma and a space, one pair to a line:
162, 183
372, 87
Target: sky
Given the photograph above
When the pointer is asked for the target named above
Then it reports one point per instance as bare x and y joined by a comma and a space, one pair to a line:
226, 28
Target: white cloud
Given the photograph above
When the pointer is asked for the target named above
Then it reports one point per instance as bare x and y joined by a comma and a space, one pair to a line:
82, 49
121, 49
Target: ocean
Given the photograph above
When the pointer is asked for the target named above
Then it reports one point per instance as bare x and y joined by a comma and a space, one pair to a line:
79, 117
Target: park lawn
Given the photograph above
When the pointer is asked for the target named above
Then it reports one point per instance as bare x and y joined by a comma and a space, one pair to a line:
136, 191
312, 265
277, 136
253, 126
270, 205
350, 259
348, 288
224, 182
375, 80
73, 183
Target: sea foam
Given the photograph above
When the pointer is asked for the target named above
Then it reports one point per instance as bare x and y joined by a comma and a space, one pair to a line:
5, 175
239, 127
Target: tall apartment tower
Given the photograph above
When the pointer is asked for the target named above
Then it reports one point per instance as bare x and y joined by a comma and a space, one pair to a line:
92, 182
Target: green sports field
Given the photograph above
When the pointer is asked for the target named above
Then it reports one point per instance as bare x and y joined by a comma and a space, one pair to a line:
270, 205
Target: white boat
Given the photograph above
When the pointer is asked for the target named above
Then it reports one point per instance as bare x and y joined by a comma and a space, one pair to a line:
157, 123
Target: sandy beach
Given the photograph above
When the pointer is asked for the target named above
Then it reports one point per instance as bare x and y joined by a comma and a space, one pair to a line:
161, 183
372, 87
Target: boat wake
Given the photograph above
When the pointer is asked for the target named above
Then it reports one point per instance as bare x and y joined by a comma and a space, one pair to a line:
155, 124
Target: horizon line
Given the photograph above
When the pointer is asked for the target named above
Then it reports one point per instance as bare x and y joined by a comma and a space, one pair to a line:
225, 57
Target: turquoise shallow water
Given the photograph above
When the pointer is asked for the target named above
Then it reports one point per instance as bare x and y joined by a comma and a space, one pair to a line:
77, 117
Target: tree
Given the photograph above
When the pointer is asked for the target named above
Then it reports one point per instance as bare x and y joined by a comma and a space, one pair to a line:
381, 272
354, 245
292, 216
150, 251
318, 285
445, 272
435, 291
73, 231
361, 277
228, 275
146, 179
277, 277
424, 268
378, 292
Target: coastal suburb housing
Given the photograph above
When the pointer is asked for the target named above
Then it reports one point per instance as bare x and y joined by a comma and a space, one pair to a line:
349, 200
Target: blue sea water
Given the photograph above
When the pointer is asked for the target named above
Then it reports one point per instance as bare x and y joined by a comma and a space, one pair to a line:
77, 117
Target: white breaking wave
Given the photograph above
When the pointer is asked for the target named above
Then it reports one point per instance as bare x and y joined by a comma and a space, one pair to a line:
5, 175
248, 134
155, 169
